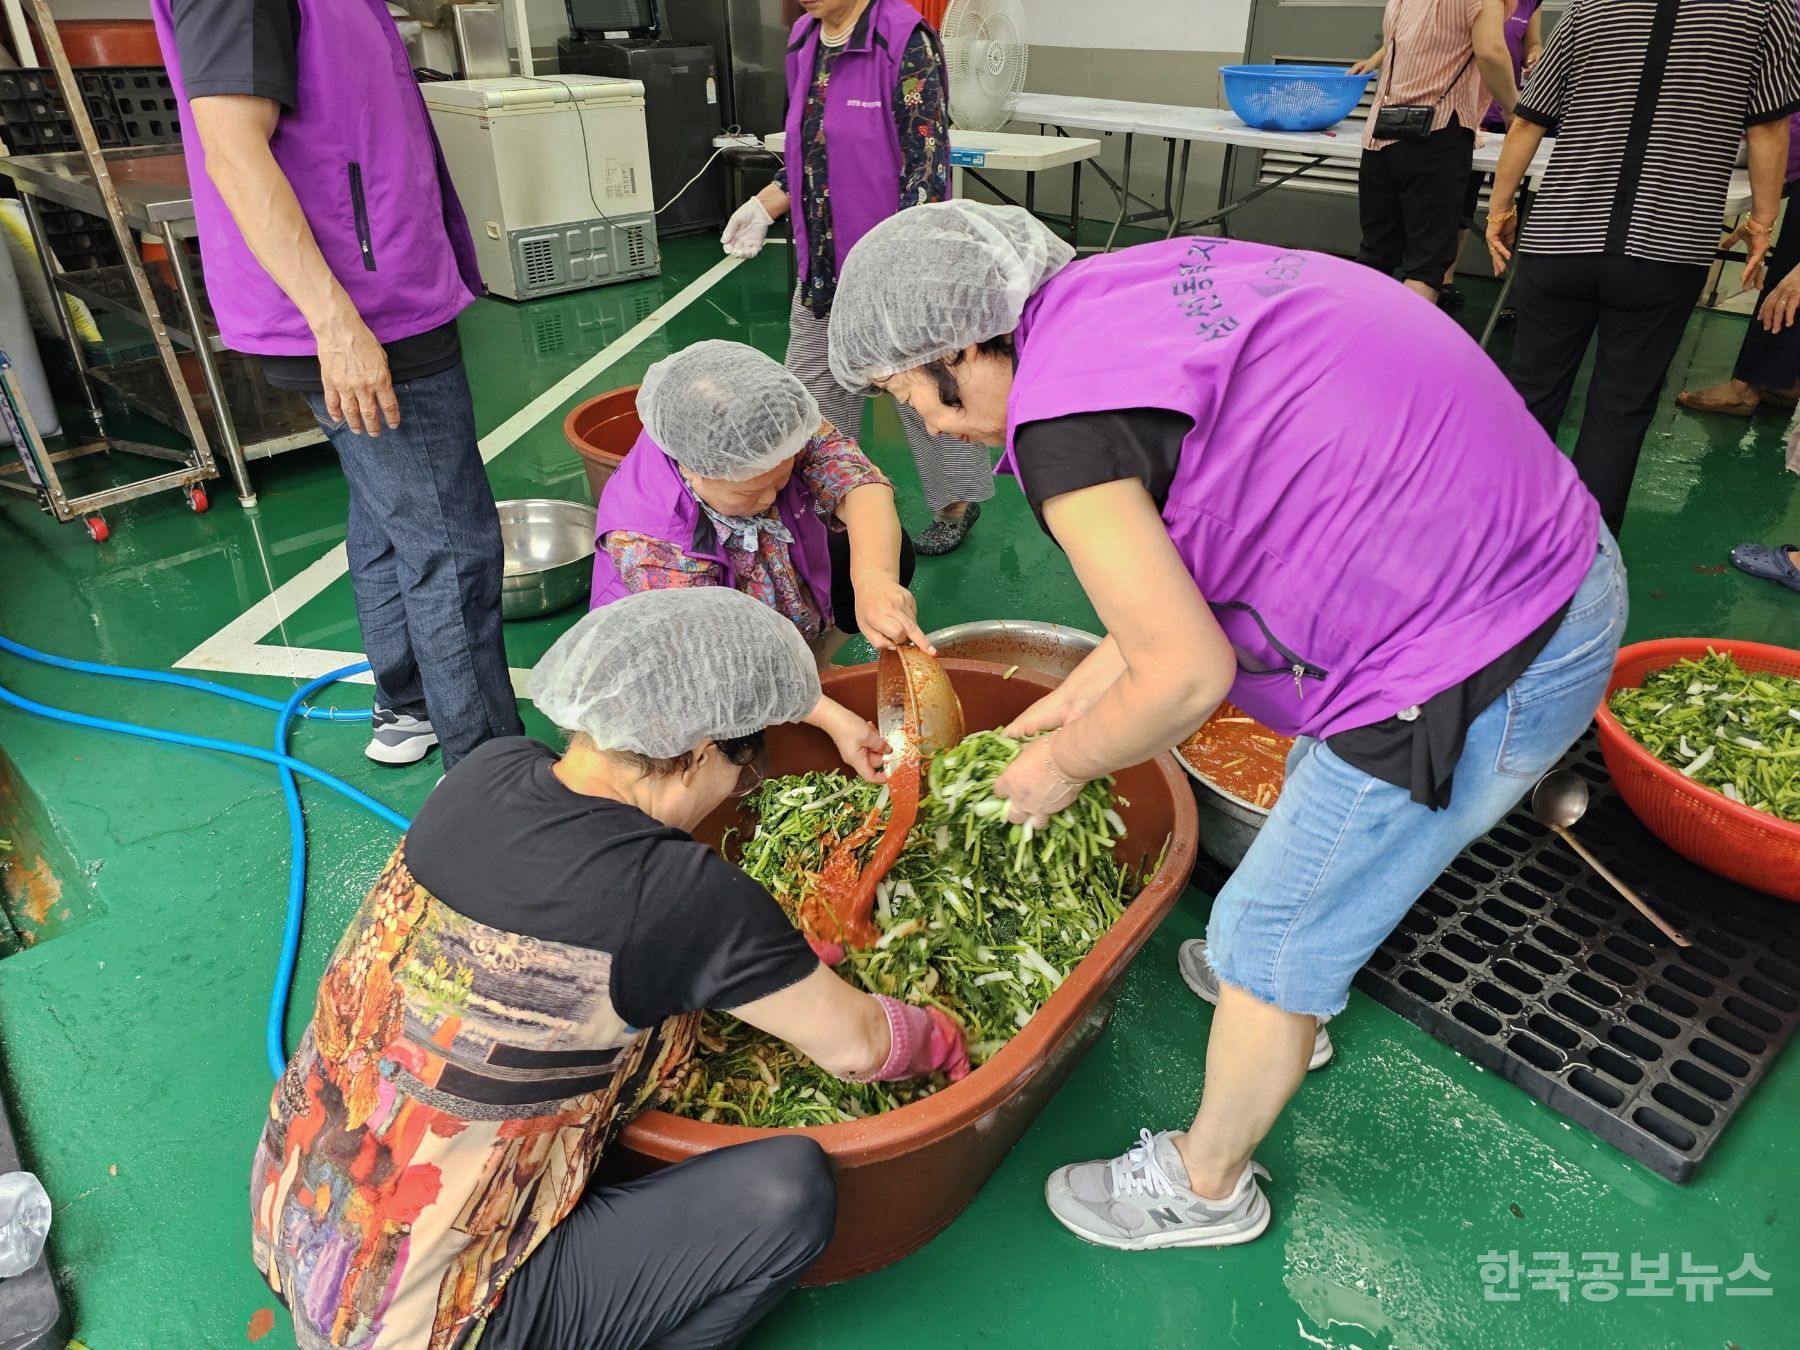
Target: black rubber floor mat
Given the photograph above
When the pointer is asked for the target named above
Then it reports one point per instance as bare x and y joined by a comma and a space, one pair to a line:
1524, 960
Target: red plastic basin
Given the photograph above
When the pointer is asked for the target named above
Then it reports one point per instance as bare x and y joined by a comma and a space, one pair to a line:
903, 1176
1736, 841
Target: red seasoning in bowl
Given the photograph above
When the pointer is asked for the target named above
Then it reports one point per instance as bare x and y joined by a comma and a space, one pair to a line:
1238, 754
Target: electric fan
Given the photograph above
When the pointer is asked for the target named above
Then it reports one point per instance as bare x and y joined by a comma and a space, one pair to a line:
984, 51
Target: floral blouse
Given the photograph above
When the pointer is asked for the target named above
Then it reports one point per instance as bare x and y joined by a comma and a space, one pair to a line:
831, 466
445, 1111
922, 114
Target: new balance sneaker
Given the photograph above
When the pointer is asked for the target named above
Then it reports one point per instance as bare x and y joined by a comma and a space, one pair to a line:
1200, 978
399, 738
1140, 1201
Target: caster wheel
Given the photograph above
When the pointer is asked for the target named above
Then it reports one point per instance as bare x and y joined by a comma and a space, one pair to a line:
97, 531
196, 498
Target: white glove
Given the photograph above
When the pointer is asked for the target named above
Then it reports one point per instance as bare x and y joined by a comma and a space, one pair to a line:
747, 230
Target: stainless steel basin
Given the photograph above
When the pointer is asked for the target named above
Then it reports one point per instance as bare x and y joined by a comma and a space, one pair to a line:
1054, 649
548, 547
1228, 823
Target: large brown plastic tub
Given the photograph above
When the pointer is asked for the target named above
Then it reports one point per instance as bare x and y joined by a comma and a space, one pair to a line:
903, 1176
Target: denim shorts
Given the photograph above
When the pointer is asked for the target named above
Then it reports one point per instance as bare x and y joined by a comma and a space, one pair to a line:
1343, 856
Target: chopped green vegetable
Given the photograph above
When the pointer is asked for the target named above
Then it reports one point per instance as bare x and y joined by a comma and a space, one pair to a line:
1734, 731
982, 918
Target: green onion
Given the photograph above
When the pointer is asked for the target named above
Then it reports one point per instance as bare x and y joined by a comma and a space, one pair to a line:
983, 918
1735, 732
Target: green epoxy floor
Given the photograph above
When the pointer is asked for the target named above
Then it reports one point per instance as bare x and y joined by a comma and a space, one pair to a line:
131, 1031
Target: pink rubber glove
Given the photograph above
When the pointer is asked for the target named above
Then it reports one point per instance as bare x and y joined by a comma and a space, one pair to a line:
920, 1041
831, 953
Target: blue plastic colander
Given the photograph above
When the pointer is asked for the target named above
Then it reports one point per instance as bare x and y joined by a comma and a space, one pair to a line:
1292, 98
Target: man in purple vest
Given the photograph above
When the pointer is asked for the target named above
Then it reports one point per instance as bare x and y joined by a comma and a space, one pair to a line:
336, 251
1282, 479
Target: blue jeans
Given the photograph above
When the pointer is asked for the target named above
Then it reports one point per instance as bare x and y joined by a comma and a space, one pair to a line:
1343, 855
424, 547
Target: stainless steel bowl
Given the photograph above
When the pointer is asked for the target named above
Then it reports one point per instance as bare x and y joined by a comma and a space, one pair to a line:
1051, 648
548, 547
1228, 823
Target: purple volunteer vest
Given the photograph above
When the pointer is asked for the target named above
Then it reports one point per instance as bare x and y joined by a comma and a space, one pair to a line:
646, 496
1365, 503
360, 153
863, 160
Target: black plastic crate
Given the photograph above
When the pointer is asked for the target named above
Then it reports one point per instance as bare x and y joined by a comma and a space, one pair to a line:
1523, 959
36, 116
77, 240
145, 103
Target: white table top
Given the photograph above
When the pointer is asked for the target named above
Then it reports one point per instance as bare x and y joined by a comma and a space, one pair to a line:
1000, 149
1221, 126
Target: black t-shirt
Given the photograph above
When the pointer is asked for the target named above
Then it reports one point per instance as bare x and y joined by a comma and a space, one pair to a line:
1419, 754
504, 842
248, 47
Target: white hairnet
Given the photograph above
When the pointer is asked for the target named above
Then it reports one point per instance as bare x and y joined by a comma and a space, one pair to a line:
928, 282
662, 672
724, 410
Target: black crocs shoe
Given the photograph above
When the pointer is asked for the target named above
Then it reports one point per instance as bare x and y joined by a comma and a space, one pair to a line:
946, 536
1450, 299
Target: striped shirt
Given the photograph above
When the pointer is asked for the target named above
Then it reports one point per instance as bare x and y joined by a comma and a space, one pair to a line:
1648, 100
1430, 62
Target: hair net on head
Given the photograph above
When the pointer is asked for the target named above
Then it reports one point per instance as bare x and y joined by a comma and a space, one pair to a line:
724, 410
930, 281
661, 672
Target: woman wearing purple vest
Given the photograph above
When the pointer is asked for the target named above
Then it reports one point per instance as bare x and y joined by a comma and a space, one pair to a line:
868, 134
1283, 480
736, 481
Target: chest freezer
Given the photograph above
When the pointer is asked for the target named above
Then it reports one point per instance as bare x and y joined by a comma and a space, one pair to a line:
554, 175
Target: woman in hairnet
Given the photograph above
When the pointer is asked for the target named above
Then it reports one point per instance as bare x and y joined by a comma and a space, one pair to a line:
737, 481
1282, 478
523, 977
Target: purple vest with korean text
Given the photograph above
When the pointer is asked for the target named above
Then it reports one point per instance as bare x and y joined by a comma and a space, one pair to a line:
863, 158
359, 150
646, 495
1365, 503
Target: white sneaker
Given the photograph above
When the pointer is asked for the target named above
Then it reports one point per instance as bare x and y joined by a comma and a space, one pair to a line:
1199, 977
1140, 1201
399, 738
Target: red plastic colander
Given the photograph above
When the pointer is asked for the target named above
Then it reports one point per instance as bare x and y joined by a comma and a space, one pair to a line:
1702, 825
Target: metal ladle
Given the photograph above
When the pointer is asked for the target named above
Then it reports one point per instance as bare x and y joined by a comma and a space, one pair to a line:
1559, 800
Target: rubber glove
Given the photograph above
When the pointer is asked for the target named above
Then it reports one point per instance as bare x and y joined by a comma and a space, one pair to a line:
747, 230
831, 953
920, 1041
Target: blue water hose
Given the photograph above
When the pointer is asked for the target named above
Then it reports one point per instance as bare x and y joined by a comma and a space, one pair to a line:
287, 765
276, 1025
189, 682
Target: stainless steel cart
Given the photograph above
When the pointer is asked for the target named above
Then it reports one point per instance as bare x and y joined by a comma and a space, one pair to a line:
252, 419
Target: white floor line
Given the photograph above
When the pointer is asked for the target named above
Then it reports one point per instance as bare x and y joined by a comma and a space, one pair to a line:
237, 648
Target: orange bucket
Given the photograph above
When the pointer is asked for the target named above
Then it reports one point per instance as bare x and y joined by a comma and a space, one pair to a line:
602, 430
